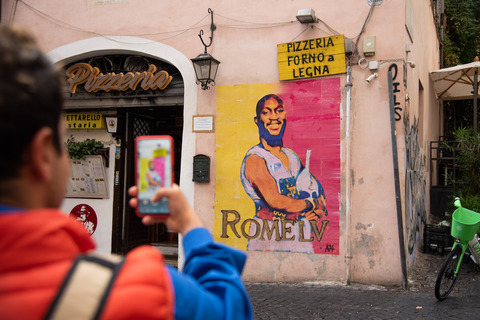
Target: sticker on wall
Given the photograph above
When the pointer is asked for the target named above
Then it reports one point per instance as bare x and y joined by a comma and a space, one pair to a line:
278, 166
85, 214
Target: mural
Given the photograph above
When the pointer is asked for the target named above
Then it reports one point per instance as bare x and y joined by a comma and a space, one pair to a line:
278, 166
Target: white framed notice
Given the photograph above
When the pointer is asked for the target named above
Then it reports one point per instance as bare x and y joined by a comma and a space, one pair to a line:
87, 178
203, 123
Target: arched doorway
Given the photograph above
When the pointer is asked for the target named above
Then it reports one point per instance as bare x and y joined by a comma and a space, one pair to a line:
146, 112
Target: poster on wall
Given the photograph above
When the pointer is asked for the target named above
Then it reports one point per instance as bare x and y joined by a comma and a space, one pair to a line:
86, 215
87, 178
278, 166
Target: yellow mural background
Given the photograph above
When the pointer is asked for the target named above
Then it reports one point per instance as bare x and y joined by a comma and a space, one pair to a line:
143, 171
236, 133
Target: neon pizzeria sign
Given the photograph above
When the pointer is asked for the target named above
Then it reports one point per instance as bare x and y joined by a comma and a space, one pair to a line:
94, 81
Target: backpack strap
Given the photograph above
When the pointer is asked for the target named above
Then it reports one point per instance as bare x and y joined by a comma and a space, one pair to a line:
86, 287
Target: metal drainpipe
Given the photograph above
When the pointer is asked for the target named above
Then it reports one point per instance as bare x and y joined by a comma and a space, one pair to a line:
398, 197
348, 257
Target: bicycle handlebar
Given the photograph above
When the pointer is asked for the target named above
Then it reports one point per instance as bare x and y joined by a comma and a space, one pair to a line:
457, 202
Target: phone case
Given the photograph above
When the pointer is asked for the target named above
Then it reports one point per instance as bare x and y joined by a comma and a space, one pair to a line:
153, 169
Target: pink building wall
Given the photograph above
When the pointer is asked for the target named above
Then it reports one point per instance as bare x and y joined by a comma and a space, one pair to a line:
245, 42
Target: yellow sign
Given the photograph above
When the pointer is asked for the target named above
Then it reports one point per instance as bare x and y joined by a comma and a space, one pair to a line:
94, 80
311, 58
85, 121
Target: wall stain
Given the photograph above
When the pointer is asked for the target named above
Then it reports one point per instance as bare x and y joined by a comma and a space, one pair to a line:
362, 226
363, 245
371, 263
320, 271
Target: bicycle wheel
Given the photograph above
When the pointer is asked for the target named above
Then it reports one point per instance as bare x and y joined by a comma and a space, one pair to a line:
446, 276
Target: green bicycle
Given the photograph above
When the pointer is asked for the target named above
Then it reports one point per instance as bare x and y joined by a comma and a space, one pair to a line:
465, 224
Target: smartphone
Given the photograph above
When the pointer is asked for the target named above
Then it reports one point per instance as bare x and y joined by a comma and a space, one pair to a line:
153, 169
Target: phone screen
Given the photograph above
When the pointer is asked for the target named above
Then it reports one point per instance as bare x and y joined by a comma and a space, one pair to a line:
154, 161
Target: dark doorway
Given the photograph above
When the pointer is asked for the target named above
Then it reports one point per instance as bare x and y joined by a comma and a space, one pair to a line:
141, 110
128, 230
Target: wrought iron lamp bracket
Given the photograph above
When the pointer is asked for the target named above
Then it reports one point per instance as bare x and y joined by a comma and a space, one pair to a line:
213, 27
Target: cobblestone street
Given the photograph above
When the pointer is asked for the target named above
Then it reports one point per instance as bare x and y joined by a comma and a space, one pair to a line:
326, 300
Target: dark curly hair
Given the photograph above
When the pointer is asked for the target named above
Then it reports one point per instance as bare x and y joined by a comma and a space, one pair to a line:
30, 97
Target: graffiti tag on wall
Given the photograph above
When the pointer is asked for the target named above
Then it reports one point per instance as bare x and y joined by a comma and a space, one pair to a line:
415, 183
394, 69
415, 180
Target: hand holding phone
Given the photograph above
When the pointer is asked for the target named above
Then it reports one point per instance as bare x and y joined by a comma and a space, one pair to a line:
153, 170
182, 217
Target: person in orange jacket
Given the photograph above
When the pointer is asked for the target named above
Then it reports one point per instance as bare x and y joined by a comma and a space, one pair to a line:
39, 243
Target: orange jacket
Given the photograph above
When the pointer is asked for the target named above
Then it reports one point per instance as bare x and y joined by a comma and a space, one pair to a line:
37, 248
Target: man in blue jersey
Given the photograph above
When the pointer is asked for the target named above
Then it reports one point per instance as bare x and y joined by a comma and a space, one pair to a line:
269, 171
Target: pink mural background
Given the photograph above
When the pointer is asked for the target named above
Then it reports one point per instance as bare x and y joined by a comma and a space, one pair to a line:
313, 115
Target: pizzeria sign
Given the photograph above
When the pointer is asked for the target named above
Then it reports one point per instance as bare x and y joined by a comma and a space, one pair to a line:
311, 58
93, 80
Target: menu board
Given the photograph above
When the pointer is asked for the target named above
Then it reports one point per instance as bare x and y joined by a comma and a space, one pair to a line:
87, 178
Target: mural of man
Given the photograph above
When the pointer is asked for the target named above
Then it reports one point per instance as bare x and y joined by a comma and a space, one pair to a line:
269, 171
153, 178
